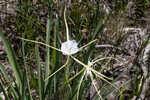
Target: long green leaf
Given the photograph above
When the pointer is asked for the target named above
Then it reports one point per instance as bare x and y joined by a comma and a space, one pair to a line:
39, 73
12, 60
24, 83
26, 71
55, 59
99, 28
48, 28
47, 71
4, 91
8, 80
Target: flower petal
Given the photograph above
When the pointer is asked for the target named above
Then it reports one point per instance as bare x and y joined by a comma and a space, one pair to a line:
69, 47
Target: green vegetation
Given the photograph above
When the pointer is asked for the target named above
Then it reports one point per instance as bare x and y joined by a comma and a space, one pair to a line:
41, 70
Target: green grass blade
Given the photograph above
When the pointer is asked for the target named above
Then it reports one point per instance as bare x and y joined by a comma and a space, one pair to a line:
47, 71
55, 58
39, 72
23, 87
4, 91
99, 28
8, 80
26, 71
12, 60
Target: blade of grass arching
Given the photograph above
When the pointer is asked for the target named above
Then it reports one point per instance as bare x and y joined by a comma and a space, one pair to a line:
8, 80
26, 70
12, 60
48, 29
4, 91
39, 72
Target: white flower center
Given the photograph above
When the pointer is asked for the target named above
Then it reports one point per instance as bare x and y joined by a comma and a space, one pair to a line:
88, 72
69, 47
90, 63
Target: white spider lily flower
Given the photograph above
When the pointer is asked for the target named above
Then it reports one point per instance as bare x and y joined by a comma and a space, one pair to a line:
88, 73
69, 47
90, 63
